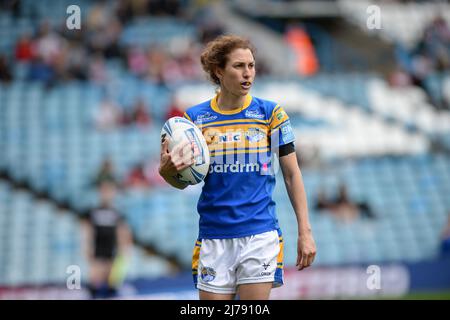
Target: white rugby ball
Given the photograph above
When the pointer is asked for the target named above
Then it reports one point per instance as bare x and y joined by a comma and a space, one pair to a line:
180, 129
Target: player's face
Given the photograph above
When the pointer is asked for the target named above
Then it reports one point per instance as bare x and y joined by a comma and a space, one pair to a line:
239, 73
107, 193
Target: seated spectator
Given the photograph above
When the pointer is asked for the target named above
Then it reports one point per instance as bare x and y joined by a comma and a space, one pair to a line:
137, 61
137, 116
5, 72
40, 71
174, 109
97, 69
445, 239
24, 49
363, 207
141, 117
399, 78
107, 116
342, 207
105, 174
137, 178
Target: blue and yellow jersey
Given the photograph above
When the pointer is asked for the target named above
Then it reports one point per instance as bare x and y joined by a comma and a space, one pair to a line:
236, 200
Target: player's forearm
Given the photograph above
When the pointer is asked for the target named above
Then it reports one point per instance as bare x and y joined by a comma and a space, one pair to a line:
297, 195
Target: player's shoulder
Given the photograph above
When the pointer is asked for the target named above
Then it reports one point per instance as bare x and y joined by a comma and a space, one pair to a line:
199, 109
267, 105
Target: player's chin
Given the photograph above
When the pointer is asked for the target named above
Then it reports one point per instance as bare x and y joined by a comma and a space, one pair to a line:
244, 90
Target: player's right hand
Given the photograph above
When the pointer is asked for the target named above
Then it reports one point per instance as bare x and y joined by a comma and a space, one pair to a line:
176, 160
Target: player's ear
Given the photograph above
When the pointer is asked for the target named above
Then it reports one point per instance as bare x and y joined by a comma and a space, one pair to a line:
219, 73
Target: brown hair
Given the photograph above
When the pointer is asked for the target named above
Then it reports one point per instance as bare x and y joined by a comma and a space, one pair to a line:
215, 55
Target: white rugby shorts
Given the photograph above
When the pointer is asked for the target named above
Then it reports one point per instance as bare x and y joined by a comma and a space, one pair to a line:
220, 265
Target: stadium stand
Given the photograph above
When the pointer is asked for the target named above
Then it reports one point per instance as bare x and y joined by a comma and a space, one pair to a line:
389, 145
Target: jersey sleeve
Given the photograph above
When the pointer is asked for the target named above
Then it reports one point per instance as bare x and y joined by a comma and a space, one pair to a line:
187, 116
281, 132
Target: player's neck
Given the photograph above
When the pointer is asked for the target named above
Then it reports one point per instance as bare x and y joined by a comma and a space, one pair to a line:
227, 101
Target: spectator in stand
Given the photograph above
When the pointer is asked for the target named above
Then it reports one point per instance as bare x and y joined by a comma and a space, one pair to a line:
97, 69
156, 62
107, 116
5, 72
49, 44
342, 207
40, 71
399, 78
137, 178
106, 173
75, 62
137, 61
145, 175
139, 115
435, 43
445, 239
24, 49
174, 109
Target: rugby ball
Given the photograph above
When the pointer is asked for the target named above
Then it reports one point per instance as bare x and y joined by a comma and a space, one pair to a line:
178, 130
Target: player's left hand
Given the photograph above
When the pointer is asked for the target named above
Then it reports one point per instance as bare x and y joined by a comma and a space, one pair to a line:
306, 250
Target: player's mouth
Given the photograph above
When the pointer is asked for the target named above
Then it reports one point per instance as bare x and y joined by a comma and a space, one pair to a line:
246, 85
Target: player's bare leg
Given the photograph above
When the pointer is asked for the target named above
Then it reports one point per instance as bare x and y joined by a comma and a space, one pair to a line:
255, 291
205, 295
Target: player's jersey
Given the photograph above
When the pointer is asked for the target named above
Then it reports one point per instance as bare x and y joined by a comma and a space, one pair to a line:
105, 221
236, 200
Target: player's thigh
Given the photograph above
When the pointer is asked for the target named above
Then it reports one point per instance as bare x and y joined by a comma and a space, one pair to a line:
205, 295
100, 270
255, 291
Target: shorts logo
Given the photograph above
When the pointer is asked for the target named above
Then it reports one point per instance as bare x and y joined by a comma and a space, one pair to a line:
208, 274
265, 273
280, 115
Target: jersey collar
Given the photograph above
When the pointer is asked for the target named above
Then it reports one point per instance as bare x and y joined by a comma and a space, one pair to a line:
215, 107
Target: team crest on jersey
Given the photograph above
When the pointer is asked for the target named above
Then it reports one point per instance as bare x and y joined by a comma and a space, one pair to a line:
205, 117
253, 114
254, 134
208, 274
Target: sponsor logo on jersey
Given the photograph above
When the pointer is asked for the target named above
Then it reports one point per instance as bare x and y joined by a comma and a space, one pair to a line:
234, 168
208, 274
286, 131
253, 114
205, 117
229, 137
255, 134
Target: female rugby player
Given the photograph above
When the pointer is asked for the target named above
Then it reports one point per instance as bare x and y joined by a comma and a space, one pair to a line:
239, 250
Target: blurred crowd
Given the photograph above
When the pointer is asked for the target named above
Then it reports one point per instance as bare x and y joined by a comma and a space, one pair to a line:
342, 207
54, 54
143, 175
430, 56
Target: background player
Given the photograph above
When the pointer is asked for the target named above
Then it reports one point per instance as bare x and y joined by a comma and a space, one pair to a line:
107, 239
